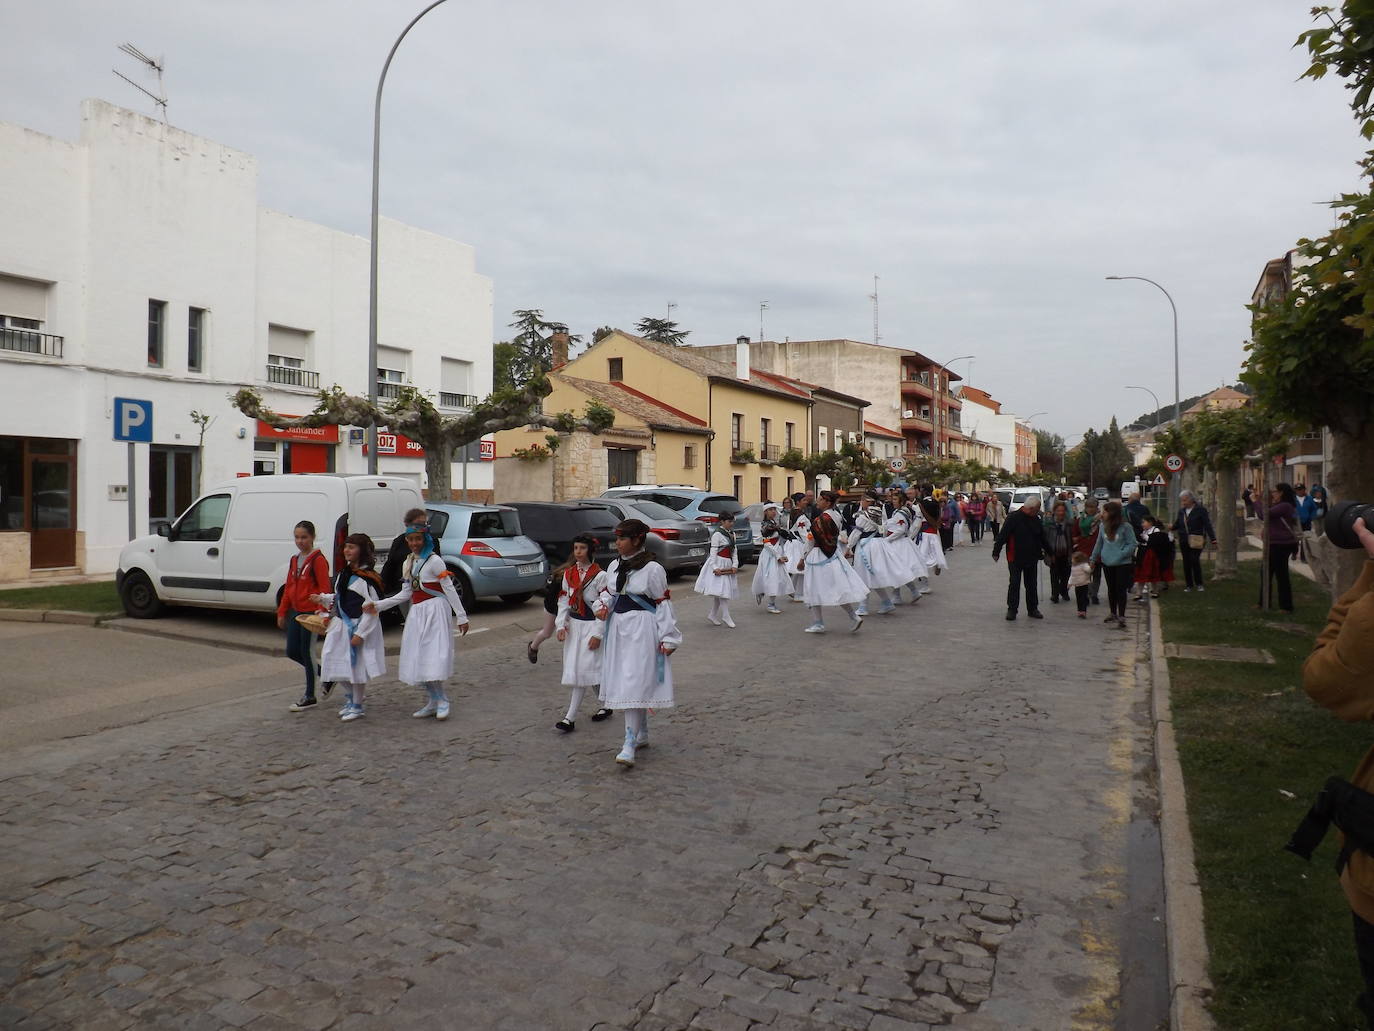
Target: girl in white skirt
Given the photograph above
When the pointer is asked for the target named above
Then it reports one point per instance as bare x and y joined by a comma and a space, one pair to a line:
901, 529
880, 563
797, 546
719, 576
641, 633
928, 544
427, 642
579, 629
771, 579
830, 580
353, 651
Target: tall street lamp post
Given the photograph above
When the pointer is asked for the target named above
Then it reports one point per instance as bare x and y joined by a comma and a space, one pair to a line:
1156, 401
944, 368
372, 268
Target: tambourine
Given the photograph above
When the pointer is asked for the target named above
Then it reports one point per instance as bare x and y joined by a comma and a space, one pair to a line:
315, 622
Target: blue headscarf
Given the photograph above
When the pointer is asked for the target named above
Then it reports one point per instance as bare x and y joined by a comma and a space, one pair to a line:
427, 550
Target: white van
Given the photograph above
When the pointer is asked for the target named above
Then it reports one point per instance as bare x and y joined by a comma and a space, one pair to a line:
1129, 487
1020, 495
231, 548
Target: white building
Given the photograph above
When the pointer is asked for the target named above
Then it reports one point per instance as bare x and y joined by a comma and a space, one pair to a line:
136, 263
985, 422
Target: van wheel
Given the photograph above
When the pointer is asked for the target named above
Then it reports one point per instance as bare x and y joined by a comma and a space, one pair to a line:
139, 598
517, 599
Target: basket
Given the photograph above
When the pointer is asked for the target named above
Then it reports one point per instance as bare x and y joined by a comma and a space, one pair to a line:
315, 622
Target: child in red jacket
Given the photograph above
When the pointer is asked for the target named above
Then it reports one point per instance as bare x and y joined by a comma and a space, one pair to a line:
307, 574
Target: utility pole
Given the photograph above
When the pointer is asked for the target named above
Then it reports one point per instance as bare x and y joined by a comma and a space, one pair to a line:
874, 298
763, 307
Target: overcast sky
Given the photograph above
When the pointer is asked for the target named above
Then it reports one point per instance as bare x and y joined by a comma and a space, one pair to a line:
991, 162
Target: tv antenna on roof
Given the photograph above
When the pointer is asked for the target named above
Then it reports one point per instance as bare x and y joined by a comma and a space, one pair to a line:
160, 97
874, 298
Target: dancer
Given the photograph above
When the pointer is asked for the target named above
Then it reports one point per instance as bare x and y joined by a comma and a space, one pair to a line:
771, 579
797, 547
830, 580
306, 575
902, 506
579, 629
641, 633
427, 641
877, 560
552, 587
353, 651
928, 540
719, 576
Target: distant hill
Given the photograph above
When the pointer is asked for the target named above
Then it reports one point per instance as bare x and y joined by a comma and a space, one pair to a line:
1151, 419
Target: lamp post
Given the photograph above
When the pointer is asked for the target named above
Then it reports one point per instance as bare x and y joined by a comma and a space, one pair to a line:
372, 268
944, 367
1028, 418
1156, 401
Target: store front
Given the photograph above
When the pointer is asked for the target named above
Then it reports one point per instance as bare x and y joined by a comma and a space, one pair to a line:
300, 449
37, 503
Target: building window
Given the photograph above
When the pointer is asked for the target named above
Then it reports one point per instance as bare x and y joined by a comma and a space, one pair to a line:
739, 488
195, 335
286, 361
790, 435
157, 310
393, 370
790, 489
839, 439
736, 430
765, 428
455, 384
615, 369
765, 488
689, 456
822, 439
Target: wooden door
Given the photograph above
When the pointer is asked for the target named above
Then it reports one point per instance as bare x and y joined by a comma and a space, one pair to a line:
622, 466
52, 511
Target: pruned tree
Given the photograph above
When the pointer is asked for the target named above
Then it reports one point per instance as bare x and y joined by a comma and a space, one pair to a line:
414, 414
1049, 451
665, 331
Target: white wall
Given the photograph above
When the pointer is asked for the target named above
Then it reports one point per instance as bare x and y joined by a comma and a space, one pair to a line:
137, 210
995, 430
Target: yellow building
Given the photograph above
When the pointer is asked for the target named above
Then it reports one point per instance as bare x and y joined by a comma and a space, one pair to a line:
753, 419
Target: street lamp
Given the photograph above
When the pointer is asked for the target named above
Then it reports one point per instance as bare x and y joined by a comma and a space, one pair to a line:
1156, 401
944, 367
372, 269
1027, 418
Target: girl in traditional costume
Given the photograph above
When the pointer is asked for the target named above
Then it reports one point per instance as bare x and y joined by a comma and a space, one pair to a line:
830, 580
353, 651
771, 579
577, 627
719, 576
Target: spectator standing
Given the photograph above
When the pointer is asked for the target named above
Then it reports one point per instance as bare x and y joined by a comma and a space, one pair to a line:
1318, 495
976, 512
1307, 508
996, 514
1023, 535
1193, 527
1135, 513
1059, 537
1089, 525
1281, 531
1248, 497
1115, 550
949, 515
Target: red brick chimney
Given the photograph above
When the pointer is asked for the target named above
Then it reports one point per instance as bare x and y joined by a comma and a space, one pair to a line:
560, 347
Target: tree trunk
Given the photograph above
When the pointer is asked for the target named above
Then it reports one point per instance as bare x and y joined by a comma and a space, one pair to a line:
1350, 478
1224, 522
439, 469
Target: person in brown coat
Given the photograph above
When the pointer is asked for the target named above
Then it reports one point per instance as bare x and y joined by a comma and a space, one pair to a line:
1339, 675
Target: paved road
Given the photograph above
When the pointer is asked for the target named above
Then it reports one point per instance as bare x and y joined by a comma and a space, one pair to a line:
932, 823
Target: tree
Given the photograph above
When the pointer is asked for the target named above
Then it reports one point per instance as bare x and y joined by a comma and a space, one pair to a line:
1311, 354
665, 331
503, 355
601, 333
1049, 449
532, 346
413, 413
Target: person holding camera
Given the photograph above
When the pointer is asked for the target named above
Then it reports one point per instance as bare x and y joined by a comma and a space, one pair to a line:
1339, 675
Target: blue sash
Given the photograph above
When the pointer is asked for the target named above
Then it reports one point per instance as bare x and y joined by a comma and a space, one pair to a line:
648, 605
350, 624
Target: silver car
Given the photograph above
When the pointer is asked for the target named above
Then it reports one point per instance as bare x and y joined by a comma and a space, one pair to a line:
679, 544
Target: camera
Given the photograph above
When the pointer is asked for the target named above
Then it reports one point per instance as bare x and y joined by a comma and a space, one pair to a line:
1340, 523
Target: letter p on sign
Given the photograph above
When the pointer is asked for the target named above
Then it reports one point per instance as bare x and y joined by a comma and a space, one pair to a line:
133, 420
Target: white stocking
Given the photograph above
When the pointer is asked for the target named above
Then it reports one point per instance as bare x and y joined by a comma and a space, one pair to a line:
816, 614
634, 720
575, 703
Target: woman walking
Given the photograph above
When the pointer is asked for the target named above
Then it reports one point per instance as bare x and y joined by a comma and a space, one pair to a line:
1059, 541
1193, 528
996, 514
1115, 550
975, 511
1281, 531
306, 575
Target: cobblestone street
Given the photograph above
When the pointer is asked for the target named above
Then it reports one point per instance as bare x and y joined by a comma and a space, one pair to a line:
923, 825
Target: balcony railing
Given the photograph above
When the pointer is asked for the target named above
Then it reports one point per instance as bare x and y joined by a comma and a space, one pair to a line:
388, 391
770, 453
289, 376
448, 399
915, 422
919, 384
742, 451
28, 341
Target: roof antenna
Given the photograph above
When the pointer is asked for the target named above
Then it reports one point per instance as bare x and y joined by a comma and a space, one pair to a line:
160, 97
874, 298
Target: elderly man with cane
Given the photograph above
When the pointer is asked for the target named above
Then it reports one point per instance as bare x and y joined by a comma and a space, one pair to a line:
1023, 535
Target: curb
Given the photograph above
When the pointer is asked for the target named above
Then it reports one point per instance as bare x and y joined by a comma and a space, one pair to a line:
1189, 985
56, 616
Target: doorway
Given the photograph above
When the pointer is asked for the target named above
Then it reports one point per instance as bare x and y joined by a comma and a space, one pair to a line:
622, 466
172, 475
52, 506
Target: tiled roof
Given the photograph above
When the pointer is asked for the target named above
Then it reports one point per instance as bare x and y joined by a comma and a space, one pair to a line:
875, 429
632, 402
694, 361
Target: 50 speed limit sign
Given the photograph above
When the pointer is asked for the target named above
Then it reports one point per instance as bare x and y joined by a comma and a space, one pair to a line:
1173, 463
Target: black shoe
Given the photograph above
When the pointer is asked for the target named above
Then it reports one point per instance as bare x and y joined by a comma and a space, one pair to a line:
303, 704
1011, 615
602, 714
1097, 601
567, 726
1035, 614
1055, 600
532, 652
326, 687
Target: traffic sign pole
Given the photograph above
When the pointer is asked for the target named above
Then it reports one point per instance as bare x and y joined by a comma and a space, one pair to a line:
132, 494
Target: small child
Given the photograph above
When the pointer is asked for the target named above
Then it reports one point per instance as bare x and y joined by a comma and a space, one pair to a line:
306, 575
580, 581
771, 578
1081, 580
353, 650
719, 573
1155, 561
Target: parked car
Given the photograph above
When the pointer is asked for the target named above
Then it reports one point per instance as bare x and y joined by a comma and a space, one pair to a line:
1019, 495
678, 543
553, 524
1101, 493
702, 505
487, 551
231, 548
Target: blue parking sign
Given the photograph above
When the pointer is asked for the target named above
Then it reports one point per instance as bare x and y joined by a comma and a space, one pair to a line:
133, 420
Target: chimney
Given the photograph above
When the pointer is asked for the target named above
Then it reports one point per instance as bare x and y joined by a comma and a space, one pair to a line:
741, 357
560, 346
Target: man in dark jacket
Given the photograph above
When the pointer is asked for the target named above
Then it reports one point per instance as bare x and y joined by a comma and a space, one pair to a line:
1135, 511
1023, 535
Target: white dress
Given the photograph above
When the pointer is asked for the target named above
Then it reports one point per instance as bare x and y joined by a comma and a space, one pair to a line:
832, 581
883, 560
427, 642
336, 656
632, 677
719, 586
929, 548
581, 665
919, 568
771, 577
796, 550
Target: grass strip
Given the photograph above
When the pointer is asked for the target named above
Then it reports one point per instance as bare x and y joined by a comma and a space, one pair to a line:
1278, 929
92, 597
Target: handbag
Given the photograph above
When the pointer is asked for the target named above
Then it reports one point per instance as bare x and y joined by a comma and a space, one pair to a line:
1196, 541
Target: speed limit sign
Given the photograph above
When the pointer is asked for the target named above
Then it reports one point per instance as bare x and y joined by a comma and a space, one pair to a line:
1173, 463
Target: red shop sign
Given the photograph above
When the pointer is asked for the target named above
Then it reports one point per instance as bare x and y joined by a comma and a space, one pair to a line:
299, 434
397, 444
